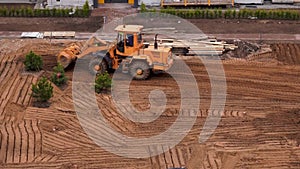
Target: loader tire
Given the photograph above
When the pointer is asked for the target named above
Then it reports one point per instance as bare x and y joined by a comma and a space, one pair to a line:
139, 70
97, 66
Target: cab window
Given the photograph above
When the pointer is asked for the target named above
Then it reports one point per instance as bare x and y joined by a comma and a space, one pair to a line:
120, 43
129, 40
140, 38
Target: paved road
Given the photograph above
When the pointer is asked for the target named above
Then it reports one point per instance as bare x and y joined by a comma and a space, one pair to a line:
255, 36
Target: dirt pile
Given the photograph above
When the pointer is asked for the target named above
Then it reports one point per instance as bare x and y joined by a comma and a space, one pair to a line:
244, 49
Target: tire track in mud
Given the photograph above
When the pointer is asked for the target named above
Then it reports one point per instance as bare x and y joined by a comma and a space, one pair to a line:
287, 53
21, 142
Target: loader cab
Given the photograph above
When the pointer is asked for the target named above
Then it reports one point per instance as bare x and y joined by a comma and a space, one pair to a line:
129, 39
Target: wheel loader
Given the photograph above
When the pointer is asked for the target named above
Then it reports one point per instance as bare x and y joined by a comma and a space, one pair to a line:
127, 52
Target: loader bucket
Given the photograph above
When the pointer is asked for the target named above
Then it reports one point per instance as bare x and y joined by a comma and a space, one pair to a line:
68, 55
64, 59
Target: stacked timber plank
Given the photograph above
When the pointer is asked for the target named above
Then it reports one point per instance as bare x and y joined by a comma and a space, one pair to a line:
186, 40
55, 34
195, 44
59, 34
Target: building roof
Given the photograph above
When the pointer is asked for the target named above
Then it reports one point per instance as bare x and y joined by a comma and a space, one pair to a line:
17, 1
129, 28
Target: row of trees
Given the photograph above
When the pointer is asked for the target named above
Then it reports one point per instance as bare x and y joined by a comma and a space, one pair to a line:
229, 13
29, 12
42, 91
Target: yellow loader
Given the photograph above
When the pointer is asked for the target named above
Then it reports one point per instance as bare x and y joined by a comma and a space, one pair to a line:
127, 52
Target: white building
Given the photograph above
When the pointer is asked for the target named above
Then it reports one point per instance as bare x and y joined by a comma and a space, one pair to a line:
67, 3
17, 1
150, 2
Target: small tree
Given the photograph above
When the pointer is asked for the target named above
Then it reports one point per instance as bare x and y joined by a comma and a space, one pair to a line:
33, 62
143, 8
5, 11
86, 9
102, 82
42, 90
58, 77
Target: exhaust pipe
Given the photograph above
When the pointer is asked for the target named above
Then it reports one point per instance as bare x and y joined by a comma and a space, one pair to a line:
155, 42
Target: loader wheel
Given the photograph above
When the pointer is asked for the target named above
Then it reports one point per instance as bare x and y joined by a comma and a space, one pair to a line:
139, 70
97, 66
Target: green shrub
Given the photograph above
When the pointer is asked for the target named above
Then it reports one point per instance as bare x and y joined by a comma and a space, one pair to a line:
295, 15
143, 8
216, 13
33, 62
190, 14
206, 13
172, 11
12, 12
210, 14
29, 11
197, 13
86, 6
18, 13
250, 13
58, 77
102, 82
86, 9
5, 11
42, 91
78, 12
46, 12
242, 13
234, 13
220, 12
227, 14
66, 12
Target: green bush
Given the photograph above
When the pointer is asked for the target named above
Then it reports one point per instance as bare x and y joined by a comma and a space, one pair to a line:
197, 13
206, 13
79, 12
143, 8
42, 91
29, 11
227, 14
12, 12
220, 13
233, 14
58, 77
216, 13
86, 9
5, 11
33, 62
102, 82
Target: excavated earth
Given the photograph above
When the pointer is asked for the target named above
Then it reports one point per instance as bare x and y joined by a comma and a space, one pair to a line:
259, 127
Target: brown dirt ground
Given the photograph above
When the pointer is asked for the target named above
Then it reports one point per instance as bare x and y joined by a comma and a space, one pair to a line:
229, 26
90, 24
259, 127
93, 23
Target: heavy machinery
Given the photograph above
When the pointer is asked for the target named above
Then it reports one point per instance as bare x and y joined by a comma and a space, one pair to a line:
127, 52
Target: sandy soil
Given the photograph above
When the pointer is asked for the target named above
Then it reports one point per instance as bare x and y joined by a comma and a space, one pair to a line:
259, 127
